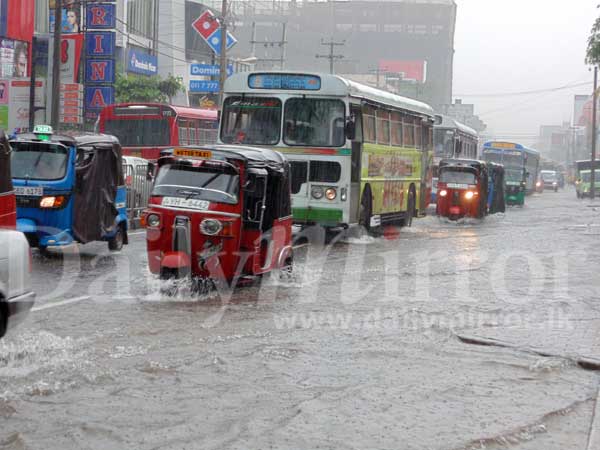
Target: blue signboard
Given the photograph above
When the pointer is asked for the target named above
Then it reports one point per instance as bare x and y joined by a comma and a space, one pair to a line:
99, 44
100, 71
101, 16
97, 97
141, 62
284, 81
214, 41
3, 17
209, 69
204, 86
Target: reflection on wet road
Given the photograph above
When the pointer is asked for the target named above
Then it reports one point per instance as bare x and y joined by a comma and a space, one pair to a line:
360, 349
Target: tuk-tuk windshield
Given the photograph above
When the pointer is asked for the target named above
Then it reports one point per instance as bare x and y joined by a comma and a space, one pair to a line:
457, 175
187, 181
514, 175
38, 161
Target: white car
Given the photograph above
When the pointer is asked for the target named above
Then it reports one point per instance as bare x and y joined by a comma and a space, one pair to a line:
16, 296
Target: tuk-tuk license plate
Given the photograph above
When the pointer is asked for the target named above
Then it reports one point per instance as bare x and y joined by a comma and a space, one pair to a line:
454, 210
31, 191
186, 203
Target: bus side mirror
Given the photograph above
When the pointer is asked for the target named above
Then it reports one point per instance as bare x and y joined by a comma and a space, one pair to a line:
350, 129
438, 119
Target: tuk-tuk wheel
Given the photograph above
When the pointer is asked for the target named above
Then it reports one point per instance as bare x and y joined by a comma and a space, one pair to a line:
115, 243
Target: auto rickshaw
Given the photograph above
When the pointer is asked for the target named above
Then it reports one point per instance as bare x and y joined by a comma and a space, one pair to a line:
69, 188
516, 183
219, 213
462, 189
8, 206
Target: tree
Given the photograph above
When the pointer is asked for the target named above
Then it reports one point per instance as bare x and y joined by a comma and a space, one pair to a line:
134, 88
171, 86
593, 49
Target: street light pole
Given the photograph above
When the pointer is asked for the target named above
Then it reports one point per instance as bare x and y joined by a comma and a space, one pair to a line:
55, 106
594, 131
223, 72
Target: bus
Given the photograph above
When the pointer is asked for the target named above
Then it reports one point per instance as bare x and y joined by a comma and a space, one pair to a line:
521, 164
359, 155
144, 129
451, 139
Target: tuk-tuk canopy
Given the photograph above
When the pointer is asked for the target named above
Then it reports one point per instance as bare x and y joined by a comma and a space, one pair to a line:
477, 165
252, 157
70, 139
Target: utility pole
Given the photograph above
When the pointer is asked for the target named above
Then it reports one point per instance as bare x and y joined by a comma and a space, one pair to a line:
266, 43
378, 72
32, 85
594, 131
223, 72
331, 56
55, 107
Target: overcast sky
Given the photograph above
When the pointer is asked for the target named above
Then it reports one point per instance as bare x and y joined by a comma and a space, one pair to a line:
505, 46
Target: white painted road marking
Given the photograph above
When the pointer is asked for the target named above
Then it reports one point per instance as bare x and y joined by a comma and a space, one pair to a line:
62, 303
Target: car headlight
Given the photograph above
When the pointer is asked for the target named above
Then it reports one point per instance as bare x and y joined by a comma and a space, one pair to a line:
443, 193
153, 220
317, 192
469, 195
331, 194
211, 227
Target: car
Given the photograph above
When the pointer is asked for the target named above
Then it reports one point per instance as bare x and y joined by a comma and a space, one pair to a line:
16, 295
549, 180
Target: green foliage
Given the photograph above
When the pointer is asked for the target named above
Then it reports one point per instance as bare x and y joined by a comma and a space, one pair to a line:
593, 49
171, 86
137, 88
133, 88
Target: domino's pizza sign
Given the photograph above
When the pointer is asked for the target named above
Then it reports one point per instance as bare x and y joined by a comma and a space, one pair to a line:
209, 27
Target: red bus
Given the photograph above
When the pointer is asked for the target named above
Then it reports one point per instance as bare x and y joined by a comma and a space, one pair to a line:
144, 129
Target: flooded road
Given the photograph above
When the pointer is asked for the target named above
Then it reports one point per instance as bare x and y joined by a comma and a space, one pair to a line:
443, 336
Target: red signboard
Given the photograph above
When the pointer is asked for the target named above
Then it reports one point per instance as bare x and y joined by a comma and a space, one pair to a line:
206, 24
410, 70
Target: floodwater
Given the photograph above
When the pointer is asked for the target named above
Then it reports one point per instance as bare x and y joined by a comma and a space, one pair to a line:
453, 336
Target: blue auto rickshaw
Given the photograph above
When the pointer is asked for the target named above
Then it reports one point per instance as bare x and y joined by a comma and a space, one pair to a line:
69, 188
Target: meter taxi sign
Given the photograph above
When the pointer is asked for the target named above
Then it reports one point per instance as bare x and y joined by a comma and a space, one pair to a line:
191, 153
43, 129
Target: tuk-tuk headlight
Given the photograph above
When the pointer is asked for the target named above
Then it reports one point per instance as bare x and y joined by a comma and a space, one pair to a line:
443, 193
153, 220
52, 202
317, 192
331, 194
469, 195
211, 227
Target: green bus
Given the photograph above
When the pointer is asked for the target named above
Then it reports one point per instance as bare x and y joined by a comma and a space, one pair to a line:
359, 155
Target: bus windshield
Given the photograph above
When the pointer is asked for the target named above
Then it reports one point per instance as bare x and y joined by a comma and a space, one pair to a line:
146, 132
31, 160
443, 141
184, 180
314, 122
252, 120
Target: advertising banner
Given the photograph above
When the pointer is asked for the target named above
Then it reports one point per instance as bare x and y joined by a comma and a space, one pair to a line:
70, 20
141, 62
14, 59
99, 44
18, 104
100, 71
101, 16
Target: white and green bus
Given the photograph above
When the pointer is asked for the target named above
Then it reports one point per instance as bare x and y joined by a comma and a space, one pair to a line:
359, 155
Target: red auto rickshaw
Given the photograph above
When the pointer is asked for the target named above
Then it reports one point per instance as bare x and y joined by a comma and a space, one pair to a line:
8, 206
462, 189
219, 213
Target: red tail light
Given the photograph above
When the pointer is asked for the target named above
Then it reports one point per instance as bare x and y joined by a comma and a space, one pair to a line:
128, 180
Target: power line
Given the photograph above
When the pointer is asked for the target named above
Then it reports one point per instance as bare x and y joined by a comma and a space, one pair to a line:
332, 57
537, 91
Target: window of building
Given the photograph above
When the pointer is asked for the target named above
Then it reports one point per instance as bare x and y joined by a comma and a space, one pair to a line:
140, 17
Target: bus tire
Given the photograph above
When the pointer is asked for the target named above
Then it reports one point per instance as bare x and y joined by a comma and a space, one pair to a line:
366, 209
411, 206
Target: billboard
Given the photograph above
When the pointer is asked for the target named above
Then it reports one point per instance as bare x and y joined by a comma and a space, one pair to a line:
14, 58
70, 20
410, 70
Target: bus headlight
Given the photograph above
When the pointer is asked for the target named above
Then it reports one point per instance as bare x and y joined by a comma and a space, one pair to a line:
331, 194
469, 195
317, 192
443, 193
211, 227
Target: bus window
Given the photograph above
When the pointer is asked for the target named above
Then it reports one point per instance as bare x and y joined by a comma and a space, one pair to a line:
396, 129
299, 172
140, 132
408, 131
325, 171
251, 120
369, 124
383, 127
317, 122
418, 133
